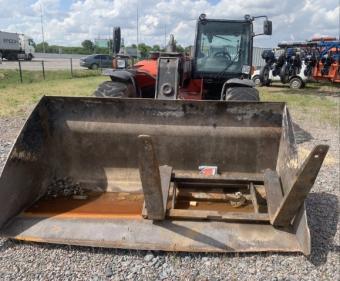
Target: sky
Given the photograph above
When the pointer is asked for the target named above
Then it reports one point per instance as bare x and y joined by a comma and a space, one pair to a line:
70, 22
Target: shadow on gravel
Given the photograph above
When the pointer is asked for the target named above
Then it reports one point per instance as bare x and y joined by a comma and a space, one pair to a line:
7, 244
300, 134
323, 215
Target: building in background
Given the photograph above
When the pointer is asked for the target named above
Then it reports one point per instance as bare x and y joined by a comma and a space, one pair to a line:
258, 61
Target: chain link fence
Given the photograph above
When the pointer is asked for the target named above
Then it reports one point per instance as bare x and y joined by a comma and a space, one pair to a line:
44, 69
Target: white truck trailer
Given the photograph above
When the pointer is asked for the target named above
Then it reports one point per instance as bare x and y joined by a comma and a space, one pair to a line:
14, 46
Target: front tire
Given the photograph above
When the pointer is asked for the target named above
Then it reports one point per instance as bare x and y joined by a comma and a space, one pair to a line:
242, 94
256, 79
296, 83
114, 89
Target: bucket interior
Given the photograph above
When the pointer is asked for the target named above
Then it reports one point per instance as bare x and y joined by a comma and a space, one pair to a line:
80, 155
72, 176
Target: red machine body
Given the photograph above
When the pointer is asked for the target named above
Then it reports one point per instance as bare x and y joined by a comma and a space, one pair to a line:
146, 74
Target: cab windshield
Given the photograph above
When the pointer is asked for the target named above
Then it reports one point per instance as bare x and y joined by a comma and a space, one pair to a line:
223, 47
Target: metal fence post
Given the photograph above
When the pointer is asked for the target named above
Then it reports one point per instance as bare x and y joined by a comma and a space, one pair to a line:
43, 68
71, 67
20, 72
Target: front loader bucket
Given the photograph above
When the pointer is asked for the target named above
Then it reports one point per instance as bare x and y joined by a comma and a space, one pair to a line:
124, 173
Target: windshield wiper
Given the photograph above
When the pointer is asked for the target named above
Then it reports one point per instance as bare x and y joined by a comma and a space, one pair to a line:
222, 38
219, 75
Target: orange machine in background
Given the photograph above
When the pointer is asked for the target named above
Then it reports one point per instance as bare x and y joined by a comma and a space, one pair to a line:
327, 67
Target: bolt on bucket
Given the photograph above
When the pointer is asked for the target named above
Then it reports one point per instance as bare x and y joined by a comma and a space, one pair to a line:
203, 176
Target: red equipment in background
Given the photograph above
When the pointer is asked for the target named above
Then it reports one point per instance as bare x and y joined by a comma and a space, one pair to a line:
327, 67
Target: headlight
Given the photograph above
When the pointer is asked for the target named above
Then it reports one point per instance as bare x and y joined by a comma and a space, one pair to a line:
121, 63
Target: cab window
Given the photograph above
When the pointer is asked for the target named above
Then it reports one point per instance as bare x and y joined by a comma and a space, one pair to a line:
222, 47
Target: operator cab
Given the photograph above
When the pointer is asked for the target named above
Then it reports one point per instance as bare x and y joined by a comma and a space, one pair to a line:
223, 48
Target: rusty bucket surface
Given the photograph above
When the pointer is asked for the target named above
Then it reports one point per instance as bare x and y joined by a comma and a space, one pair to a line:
124, 173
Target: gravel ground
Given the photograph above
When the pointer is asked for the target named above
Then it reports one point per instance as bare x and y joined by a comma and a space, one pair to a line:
30, 261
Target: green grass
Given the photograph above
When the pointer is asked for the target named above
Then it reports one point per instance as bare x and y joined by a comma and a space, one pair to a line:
15, 98
314, 102
11, 77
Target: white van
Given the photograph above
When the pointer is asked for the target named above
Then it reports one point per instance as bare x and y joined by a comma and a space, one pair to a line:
295, 82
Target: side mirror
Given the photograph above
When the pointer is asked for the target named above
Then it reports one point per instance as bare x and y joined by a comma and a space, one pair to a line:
267, 27
116, 40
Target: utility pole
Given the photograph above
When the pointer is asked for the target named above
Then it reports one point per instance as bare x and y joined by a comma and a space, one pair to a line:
42, 28
109, 45
137, 30
165, 36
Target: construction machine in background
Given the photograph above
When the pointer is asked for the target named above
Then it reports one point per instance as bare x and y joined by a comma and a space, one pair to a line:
327, 65
171, 172
220, 68
315, 60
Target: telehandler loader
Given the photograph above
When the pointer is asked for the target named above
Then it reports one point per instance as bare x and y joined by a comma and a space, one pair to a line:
188, 167
219, 68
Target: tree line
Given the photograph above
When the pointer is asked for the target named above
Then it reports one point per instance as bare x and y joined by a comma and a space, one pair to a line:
88, 47
82, 50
